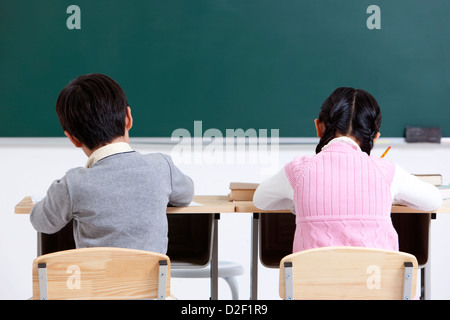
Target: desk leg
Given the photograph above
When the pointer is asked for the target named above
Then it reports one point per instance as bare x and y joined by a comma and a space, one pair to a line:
39, 244
215, 259
254, 259
425, 279
425, 272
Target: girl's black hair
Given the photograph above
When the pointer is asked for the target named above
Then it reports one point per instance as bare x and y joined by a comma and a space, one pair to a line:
92, 108
350, 111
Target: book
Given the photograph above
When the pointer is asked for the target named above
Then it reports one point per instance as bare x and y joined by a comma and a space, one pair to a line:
445, 191
243, 186
434, 179
242, 191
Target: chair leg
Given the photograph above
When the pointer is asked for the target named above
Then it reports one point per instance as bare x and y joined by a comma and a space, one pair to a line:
162, 279
407, 282
233, 286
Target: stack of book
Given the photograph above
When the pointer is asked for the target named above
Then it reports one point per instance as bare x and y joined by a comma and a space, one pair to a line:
242, 191
434, 179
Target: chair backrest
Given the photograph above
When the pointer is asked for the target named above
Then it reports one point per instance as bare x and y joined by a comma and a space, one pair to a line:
101, 273
348, 273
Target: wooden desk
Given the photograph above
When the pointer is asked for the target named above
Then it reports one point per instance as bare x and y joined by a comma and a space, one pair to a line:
404, 209
209, 204
24, 206
220, 204
214, 205
247, 206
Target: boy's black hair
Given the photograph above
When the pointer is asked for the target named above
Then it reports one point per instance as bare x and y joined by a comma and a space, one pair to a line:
92, 108
350, 111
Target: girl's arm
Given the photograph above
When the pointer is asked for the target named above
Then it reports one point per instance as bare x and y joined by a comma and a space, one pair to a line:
409, 190
275, 193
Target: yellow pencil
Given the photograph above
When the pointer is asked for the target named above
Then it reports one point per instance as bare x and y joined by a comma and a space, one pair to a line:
385, 152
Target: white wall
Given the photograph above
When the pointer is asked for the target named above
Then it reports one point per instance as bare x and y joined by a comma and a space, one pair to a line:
28, 166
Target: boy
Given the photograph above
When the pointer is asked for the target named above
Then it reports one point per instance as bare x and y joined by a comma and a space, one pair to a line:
120, 198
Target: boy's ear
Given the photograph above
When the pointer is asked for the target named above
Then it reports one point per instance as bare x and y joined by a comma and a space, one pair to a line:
319, 127
128, 119
74, 140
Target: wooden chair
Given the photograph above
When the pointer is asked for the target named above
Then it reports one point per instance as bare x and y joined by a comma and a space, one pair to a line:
277, 235
348, 273
101, 273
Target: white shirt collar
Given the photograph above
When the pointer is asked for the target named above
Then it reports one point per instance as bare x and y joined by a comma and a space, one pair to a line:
343, 139
107, 151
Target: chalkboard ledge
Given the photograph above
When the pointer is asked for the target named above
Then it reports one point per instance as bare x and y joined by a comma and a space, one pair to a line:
63, 141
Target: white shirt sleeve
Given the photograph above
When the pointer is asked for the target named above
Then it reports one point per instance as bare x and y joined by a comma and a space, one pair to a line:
275, 193
407, 189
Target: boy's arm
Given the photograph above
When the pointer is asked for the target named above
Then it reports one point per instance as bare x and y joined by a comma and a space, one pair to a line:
53, 212
182, 186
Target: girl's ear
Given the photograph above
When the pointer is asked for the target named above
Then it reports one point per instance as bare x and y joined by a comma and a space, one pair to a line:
376, 137
320, 128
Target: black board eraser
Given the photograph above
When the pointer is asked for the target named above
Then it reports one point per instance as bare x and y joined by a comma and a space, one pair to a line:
421, 134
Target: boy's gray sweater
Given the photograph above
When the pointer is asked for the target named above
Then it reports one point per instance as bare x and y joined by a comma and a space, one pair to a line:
120, 201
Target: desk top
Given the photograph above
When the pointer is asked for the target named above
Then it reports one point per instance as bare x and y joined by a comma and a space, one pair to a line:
247, 206
404, 209
221, 204
208, 204
24, 206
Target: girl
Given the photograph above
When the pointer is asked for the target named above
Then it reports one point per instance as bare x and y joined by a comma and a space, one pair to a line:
342, 196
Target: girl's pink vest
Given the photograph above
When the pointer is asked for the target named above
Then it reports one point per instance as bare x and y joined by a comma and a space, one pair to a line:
342, 198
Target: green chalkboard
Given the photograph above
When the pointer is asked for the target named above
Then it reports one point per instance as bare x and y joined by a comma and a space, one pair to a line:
262, 64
